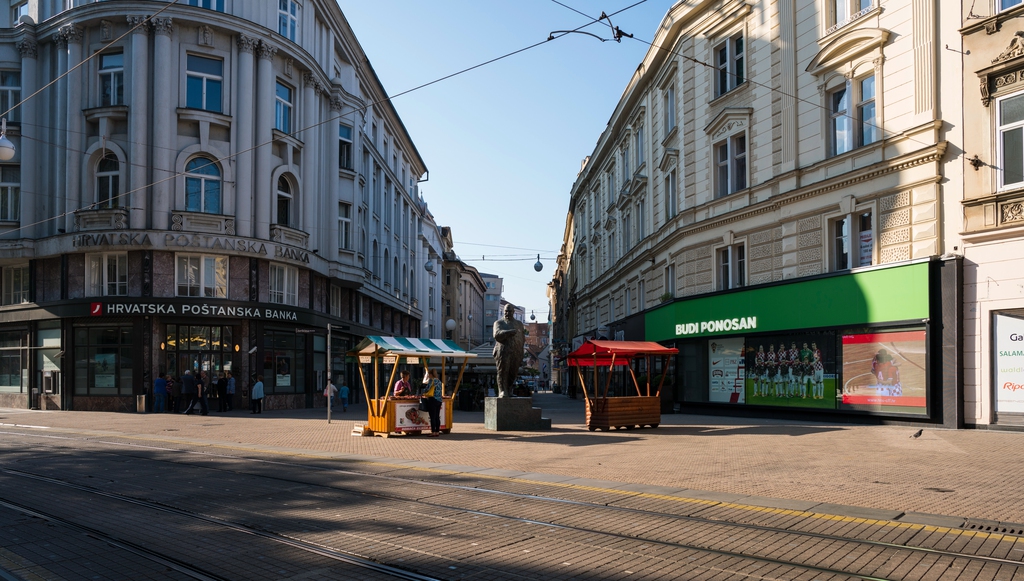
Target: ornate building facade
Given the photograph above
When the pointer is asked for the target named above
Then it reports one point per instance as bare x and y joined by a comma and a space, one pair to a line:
207, 186
772, 179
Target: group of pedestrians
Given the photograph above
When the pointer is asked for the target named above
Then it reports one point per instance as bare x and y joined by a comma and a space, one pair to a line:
169, 395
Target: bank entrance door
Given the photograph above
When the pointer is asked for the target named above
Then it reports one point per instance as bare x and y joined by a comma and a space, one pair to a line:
198, 348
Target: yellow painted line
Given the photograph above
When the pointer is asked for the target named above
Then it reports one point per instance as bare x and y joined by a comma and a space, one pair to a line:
646, 495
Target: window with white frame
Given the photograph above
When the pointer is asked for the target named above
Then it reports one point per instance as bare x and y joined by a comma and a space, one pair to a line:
10, 193
853, 240
15, 285
344, 226
641, 222
732, 267
1010, 128
613, 249
204, 78
283, 108
1007, 4
627, 232
849, 128
638, 145
284, 201
336, 301
344, 147
199, 275
625, 164
731, 165
284, 284
729, 62
217, 5
641, 296
843, 12
106, 274
10, 94
669, 281
202, 186
112, 79
671, 196
108, 181
18, 9
669, 105
287, 18
627, 302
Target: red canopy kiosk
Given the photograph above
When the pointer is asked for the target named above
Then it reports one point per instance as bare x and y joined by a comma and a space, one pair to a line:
603, 412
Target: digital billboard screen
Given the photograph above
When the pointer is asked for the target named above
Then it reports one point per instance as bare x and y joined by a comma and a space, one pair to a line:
884, 372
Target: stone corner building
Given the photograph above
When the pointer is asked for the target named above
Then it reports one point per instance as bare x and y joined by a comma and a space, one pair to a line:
773, 179
207, 189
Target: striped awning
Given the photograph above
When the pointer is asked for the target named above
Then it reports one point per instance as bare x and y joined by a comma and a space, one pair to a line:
411, 346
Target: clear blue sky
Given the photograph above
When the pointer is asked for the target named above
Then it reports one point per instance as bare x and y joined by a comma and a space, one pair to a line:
503, 142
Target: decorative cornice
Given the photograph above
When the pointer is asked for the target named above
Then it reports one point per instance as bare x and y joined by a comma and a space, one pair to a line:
72, 34
265, 51
163, 26
247, 43
28, 48
1013, 50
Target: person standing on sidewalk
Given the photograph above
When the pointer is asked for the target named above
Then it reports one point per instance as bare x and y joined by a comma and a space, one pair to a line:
343, 396
174, 388
192, 389
230, 391
432, 398
159, 395
257, 396
331, 393
222, 392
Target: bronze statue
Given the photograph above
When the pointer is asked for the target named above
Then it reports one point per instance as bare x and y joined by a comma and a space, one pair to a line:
509, 338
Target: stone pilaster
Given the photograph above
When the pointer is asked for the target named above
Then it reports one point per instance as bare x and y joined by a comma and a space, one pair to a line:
310, 199
265, 85
31, 201
164, 125
75, 135
244, 118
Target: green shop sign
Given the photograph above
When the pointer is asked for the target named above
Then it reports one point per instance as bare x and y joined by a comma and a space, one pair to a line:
875, 296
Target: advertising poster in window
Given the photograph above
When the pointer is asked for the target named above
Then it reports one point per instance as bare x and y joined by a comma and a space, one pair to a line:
409, 418
726, 370
284, 371
1009, 362
885, 372
793, 370
105, 370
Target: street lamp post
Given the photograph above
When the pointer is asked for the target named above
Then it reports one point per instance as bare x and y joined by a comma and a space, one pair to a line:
470, 342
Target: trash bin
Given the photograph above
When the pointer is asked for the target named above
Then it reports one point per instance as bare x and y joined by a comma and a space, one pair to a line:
140, 403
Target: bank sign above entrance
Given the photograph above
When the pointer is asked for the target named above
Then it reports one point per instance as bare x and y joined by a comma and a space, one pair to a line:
875, 296
197, 309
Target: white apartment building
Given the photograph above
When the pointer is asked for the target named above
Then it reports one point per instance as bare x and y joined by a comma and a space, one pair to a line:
206, 186
771, 180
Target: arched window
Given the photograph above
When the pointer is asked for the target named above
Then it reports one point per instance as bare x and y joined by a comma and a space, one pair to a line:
386, 275
375, 260
202, 186
284, 201
396, 277
108, 182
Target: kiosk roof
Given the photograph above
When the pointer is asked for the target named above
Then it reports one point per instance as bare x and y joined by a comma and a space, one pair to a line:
411, 346
600, 352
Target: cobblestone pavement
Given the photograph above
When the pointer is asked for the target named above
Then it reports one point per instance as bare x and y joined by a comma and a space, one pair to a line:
968, 474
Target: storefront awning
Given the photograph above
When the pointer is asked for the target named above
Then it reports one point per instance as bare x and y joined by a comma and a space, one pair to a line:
410, 347
601, 353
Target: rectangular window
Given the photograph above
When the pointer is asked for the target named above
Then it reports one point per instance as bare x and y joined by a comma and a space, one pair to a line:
344, 147
201, 276
638, 145
1007, 4
627, 232
10, 193
1011, 140
670, 107
732, 267
284, 284
670, 280
112, 79
18, 9
627, 302
336, 301
287, 18
846, 11
731, 165
217, 5
345, 226
203, 81
841, 127
853, 241
869, 132
729, 60
671, 197
107, 274
103, 360
641, 223
283, 108
641, 296
10, 94
625, 167
15, 285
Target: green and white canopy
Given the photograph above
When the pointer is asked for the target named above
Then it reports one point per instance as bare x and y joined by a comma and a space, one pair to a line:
410, 347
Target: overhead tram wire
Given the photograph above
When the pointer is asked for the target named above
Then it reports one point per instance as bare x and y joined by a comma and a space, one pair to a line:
299, 131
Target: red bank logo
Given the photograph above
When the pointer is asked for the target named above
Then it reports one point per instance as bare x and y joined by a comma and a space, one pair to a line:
96, 309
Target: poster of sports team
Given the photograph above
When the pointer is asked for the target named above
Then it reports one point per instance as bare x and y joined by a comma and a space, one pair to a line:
880, 371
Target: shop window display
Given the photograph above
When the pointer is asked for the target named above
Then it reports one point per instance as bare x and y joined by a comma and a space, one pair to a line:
103, 360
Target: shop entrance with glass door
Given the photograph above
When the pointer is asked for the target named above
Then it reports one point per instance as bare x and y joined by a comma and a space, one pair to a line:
199, 348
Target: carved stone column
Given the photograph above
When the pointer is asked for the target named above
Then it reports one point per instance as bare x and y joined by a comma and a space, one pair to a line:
59, 132
138, 125
31, 201
265, 84
75, 136
164, 125
310, 197
332, 188
244, 122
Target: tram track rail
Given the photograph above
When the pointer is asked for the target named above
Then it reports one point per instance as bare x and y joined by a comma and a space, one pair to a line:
884, 551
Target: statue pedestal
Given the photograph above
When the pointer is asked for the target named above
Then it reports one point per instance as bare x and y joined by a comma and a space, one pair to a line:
513, 414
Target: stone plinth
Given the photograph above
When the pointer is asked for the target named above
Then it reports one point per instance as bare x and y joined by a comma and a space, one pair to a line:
513, 414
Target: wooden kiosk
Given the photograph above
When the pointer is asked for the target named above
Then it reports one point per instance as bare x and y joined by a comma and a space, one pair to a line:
389, 414
605, 413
